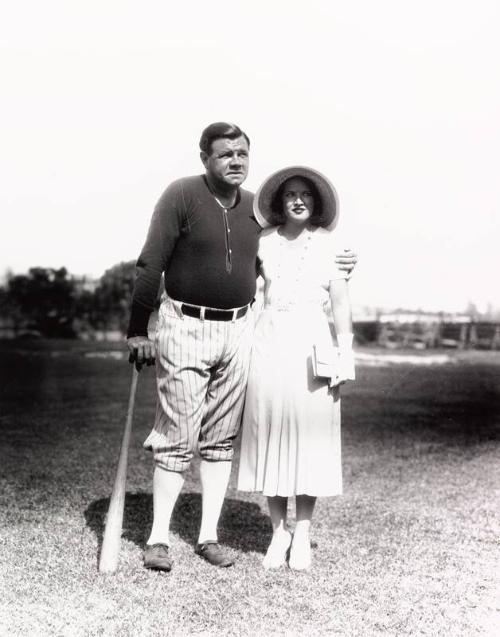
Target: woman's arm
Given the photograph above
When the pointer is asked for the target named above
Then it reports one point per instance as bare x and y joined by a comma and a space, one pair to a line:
342, 319
341, 306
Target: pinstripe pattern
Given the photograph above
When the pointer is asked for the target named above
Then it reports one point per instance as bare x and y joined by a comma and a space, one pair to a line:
201, 369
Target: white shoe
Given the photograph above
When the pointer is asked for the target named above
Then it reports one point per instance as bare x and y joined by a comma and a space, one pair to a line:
300, 554
277, 550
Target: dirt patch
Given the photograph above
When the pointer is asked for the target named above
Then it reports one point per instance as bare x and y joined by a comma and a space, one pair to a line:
380, 360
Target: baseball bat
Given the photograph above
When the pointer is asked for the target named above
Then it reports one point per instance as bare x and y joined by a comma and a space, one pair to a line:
114, 520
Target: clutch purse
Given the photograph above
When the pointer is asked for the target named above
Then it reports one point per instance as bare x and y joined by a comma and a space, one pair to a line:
325, 361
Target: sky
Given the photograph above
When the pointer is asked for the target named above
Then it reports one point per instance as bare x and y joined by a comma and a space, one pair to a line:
396, 101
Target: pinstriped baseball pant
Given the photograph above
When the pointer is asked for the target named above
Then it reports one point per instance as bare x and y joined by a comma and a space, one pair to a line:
201, 373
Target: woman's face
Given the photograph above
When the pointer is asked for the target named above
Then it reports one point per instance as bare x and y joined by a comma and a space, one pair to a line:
298, 201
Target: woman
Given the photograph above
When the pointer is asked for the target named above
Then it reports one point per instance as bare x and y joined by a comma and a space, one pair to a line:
291, 422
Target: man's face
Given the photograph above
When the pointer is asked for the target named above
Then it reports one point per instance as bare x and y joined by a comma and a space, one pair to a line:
228, 161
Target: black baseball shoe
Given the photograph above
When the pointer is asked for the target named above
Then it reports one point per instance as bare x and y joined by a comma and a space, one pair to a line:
213, 552
156, 557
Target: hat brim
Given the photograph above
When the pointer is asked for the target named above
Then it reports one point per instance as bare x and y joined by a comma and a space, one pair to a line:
264, 196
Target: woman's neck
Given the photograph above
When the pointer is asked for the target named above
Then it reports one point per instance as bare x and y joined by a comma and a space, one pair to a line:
292, 230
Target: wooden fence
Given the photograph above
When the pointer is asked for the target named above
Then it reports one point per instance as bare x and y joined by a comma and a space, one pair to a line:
419, 335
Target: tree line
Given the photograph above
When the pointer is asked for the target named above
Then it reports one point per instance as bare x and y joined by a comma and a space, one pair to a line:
53, 303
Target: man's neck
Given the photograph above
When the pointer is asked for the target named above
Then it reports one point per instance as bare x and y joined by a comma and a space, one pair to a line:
225, 194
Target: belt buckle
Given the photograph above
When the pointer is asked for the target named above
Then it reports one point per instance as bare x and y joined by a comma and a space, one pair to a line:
216, 314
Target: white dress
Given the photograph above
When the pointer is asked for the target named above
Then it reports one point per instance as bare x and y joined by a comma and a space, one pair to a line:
291, 422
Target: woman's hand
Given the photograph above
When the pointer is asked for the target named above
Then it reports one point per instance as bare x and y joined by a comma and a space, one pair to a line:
346, 369
345, 364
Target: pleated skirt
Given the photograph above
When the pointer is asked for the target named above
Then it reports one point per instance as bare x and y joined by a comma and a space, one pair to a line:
291, 443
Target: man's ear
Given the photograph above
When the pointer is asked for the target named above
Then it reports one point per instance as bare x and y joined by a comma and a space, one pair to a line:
204, 158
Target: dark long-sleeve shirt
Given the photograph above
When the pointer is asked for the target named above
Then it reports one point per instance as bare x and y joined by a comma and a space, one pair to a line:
204, 260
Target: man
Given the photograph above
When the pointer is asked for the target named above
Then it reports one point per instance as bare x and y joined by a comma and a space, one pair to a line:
203, 237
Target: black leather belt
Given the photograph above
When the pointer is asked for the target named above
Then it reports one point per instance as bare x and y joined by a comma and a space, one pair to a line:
213, 315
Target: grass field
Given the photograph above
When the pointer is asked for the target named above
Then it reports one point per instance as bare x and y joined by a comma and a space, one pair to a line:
412, 548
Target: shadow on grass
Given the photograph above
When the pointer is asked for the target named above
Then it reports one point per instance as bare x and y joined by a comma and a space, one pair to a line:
242, 526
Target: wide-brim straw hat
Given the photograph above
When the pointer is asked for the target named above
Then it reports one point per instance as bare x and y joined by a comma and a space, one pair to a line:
265, 195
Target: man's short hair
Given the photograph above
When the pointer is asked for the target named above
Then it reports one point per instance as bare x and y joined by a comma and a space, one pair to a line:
220, 130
